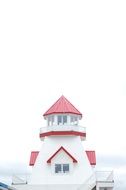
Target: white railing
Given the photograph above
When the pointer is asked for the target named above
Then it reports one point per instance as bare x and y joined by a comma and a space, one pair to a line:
19, 180
88, 184
99, 176
104, 176
63, 128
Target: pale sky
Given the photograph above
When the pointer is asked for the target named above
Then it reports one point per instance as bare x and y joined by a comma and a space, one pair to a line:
71, 47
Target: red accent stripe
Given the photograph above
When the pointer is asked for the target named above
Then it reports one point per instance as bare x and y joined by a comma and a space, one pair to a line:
56, 133
33, 157
91, 157
61, 148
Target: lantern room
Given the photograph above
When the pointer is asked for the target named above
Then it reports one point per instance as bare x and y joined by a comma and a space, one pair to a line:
62, 119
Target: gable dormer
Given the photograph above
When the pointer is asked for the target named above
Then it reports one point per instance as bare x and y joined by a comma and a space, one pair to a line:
62, 162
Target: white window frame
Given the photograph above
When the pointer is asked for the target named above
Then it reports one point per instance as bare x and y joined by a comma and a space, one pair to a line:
51, 120
62, 121
62, 164
74, 120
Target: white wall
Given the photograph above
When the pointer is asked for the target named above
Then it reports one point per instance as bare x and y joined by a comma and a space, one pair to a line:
42, 171
46, 187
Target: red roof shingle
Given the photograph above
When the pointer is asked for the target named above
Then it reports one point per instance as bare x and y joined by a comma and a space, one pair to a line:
62, 106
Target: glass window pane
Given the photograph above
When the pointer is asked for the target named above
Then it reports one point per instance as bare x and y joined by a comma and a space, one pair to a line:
71, 119
52, 120
59, 120
49, 121
65, 168
57, 168
75, 120
64, 119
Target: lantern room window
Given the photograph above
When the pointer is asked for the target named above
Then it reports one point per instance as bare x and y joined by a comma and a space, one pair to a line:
50, 120
62, 119
74, 120
59, 120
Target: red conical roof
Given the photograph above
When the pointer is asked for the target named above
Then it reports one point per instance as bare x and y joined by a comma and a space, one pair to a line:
62, 106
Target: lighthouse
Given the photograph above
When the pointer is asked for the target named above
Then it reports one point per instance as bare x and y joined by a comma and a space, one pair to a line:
63, 163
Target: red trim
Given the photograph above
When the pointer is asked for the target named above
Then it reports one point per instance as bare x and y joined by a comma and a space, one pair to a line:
61, 148
56, 133
33, 157
62, 113
90, 154
91, 157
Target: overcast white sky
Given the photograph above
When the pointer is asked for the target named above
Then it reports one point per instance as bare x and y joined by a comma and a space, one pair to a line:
71, 47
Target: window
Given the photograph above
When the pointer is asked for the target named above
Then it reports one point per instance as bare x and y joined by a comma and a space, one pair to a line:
62, 168
74, 120
64, 119
71, 119
58, 168
59, 120
50, 120
65, 168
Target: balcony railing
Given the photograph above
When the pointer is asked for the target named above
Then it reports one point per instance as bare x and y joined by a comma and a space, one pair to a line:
104, 176
63, 128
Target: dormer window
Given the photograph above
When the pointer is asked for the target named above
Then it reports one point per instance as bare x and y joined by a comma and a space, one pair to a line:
58, 168
62, 168
66, 168
62, 162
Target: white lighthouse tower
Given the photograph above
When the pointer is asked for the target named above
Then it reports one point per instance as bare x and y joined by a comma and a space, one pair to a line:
62, 159
62, 163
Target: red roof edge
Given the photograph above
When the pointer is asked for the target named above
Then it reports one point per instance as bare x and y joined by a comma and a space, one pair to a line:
61, 148
62, 113
91, 156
